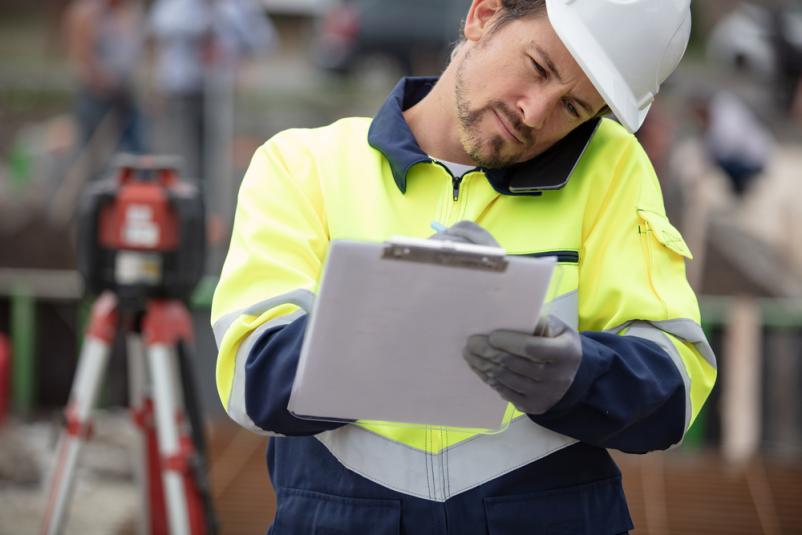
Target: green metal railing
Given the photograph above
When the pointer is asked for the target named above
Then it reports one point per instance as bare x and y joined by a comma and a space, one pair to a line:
776, 313
23, 349
25, 288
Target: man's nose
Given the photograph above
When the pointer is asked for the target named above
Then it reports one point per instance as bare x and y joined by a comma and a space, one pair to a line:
537, 106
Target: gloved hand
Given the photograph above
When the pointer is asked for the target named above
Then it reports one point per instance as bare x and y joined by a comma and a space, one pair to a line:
466, 232
532, 371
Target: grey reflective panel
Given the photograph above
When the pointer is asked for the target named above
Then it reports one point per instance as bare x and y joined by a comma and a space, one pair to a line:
236, 408
457, 469
236, 400
691, 332
301, 298
686, 330
566, 307
221, 326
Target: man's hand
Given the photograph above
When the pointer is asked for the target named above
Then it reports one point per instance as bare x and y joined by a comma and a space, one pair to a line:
532, 371
466, 232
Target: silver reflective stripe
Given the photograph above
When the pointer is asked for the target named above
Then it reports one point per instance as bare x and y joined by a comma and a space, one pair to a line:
236, 407
302, 298
438, 477
691, 332
566, 307
686, 330
647, 331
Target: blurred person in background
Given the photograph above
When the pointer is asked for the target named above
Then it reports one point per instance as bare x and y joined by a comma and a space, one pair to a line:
507, 148
786, 33
765, 41
734, 138
105, 41
198, 46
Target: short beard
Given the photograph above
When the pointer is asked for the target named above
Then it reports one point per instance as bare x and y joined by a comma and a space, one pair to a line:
469, 118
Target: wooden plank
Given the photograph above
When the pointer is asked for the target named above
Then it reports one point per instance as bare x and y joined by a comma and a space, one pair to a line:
741, 388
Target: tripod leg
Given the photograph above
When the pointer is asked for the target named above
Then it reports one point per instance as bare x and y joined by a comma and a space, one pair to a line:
83, 395
153, 517
196, 422
169, 416
164, 325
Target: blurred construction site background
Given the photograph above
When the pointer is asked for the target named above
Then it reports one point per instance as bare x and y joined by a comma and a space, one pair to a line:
725, 137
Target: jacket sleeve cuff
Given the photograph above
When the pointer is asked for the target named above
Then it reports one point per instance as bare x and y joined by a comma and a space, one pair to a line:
269, 376
627, 394
591, 367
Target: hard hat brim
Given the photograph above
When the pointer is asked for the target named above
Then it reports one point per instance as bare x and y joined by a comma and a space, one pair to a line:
596, 65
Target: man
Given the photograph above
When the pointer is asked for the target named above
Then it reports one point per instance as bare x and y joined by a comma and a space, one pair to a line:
517, 104
734, 138
105, 44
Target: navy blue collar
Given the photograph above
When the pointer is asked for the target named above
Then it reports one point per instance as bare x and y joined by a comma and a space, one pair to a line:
389, 133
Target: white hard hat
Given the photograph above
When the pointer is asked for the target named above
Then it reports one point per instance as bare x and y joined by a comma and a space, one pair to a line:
626, 47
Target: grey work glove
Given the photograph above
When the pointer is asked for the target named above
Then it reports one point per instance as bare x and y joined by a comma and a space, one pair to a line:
466, 232
532, 371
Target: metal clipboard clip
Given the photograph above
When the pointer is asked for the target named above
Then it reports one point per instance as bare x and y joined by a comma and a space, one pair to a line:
445, 253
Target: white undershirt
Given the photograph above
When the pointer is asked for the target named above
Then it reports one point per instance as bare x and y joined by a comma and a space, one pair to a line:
456, 169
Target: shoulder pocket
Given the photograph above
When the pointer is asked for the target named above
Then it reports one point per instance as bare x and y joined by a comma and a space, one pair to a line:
664, 232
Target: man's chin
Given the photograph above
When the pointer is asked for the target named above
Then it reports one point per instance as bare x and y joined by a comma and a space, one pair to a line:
498, 161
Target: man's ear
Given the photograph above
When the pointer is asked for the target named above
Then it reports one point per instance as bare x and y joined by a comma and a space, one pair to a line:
479, 18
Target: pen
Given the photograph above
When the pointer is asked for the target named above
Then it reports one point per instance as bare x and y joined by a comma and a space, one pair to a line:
438, 227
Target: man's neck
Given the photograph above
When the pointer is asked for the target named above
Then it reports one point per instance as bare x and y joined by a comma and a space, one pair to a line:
433, 122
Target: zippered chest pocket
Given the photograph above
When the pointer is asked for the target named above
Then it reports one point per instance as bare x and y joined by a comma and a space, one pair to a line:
563, 256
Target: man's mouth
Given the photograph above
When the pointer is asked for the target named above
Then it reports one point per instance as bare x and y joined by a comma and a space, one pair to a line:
506, 128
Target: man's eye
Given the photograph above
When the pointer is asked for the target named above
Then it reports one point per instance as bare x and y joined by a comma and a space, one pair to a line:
571, 108
539, 68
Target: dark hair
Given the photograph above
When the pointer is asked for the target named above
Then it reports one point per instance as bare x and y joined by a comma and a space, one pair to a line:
511, 10
516, 9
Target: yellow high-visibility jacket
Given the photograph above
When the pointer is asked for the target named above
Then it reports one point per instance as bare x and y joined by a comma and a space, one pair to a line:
646, 368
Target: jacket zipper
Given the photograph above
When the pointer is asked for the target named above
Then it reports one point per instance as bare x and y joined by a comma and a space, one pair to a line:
456, 182
564, 257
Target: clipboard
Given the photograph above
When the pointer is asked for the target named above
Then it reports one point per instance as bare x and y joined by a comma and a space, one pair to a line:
385, 337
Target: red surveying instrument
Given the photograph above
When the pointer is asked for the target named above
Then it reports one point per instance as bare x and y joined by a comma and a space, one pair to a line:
141, 247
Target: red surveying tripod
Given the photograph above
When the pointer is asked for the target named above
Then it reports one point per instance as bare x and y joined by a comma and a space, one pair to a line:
141, 247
